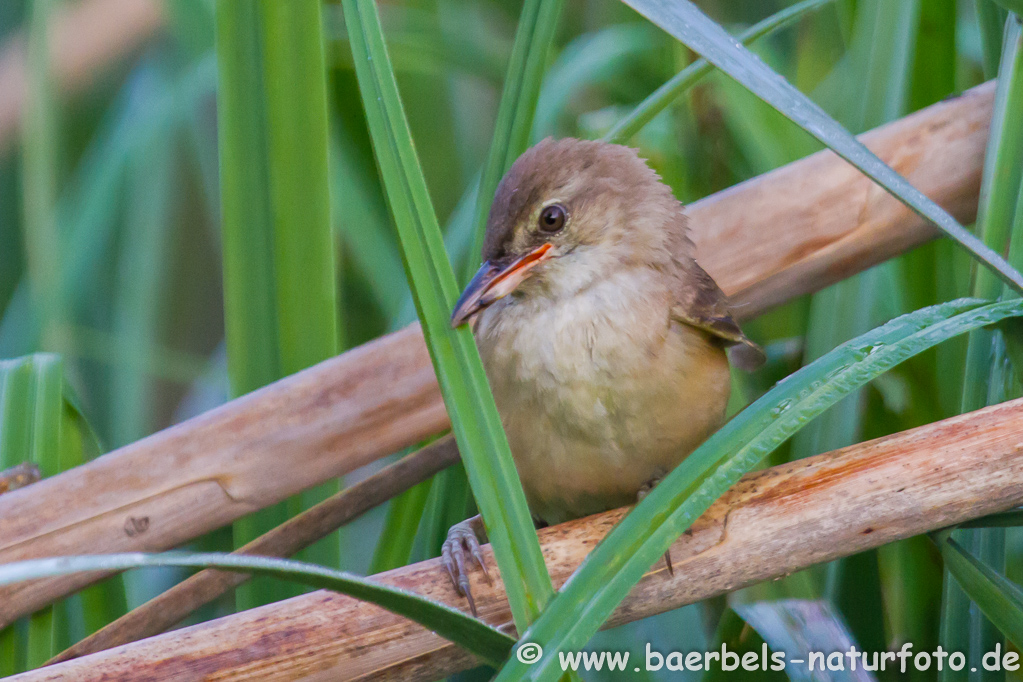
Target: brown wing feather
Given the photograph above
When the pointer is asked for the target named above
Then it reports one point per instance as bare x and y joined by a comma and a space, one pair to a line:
700, 303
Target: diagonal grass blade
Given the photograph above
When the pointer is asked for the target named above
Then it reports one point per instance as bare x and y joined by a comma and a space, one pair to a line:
486, 642
688, 24
475, 422
620, 560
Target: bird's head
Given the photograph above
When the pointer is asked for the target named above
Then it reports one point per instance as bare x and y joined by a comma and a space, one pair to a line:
567, 213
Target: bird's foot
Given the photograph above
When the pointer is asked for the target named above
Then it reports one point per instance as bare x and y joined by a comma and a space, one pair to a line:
463, 537
643, 492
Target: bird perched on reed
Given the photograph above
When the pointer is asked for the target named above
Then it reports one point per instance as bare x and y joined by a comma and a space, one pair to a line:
603, 340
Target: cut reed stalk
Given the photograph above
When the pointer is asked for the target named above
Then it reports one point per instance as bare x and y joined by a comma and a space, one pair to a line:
772, 523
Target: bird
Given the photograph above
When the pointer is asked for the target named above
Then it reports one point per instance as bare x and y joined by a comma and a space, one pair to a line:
606, 346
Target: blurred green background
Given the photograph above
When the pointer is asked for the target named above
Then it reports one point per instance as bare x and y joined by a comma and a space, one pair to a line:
110, 202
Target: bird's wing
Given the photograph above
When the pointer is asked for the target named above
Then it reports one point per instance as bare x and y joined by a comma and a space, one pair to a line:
700, 303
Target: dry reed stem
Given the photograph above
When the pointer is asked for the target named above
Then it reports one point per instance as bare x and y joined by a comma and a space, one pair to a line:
169, 608
772, 523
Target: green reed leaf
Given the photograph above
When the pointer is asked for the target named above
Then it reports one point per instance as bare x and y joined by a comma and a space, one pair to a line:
687, 23
476, 636
474, 418
533, 40
663, 96
1000, 599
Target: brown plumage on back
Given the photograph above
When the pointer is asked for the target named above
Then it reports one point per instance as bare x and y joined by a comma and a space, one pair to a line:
603, 339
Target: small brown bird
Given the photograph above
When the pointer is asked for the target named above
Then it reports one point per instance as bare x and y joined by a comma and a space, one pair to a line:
602, 338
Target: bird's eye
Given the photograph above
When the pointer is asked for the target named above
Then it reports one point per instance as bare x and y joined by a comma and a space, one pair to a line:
552, 218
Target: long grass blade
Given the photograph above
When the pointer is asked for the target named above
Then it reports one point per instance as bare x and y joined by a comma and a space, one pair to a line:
620, 560
296, 93
934, 65
991, 18
479, 638
40, 163
474, 416
280, 298
399, 532
999, 599
519, 119
879, 57
40, 424
963, 628
928, 273
688, 24
364, 224
41, 379
141, 286
450, 501
663, 96
533, 39
250, 300
1002, 177
308, 315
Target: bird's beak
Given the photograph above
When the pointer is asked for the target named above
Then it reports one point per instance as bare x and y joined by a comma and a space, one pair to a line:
495, 280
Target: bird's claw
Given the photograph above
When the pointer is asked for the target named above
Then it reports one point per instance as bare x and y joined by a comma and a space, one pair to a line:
463, 537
